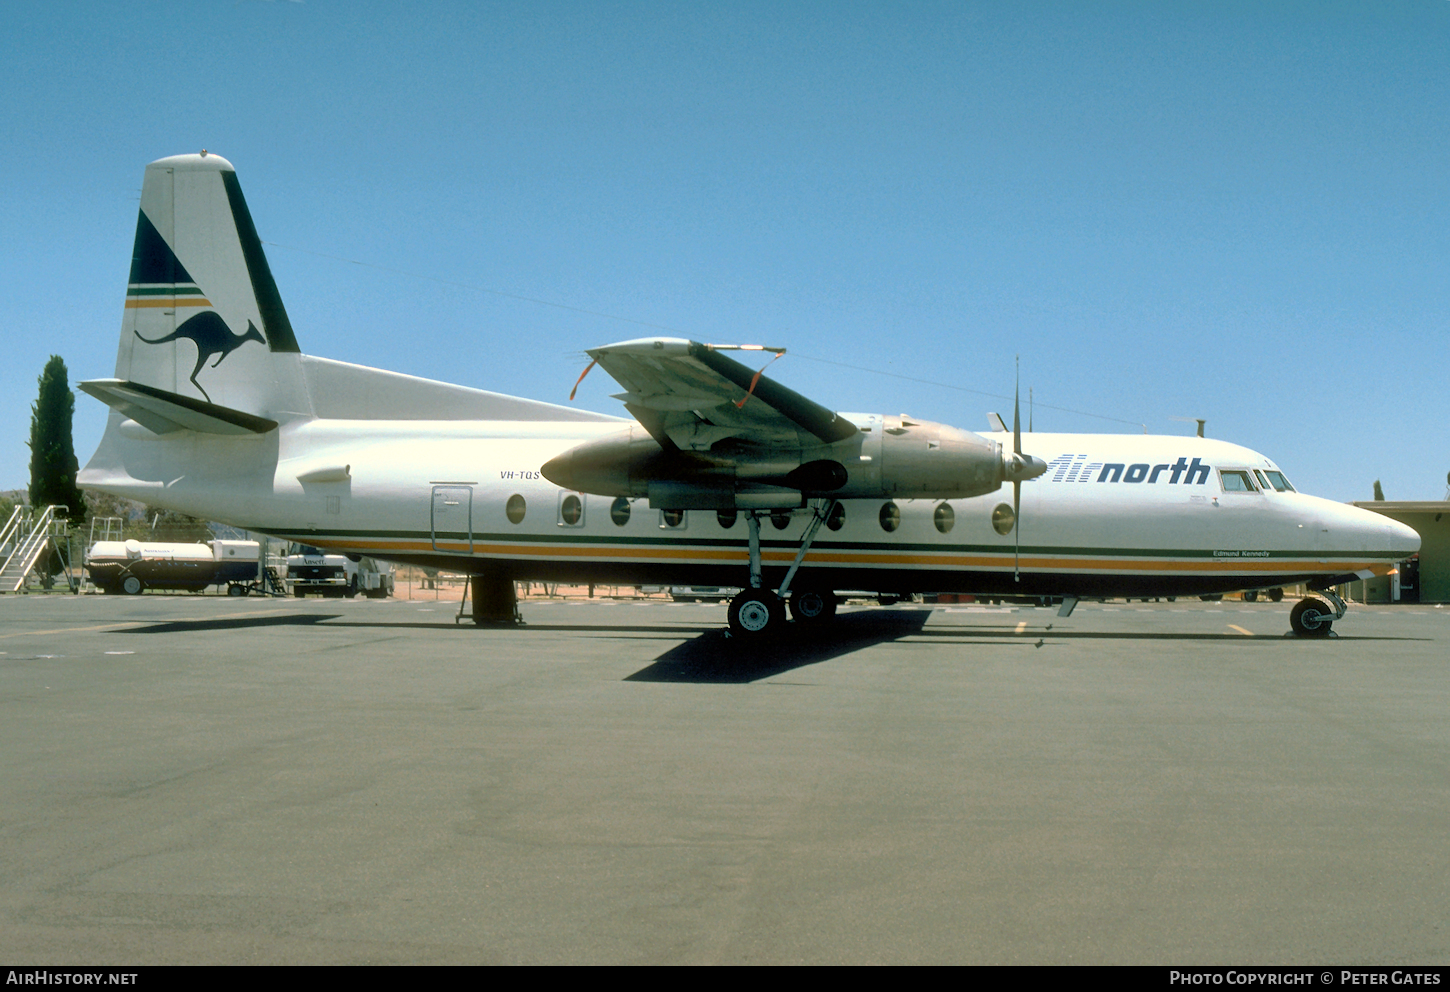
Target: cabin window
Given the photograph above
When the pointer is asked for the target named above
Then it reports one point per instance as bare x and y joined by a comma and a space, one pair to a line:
1236, 481
890, 516
726, 518
837, 519
1280, 484
515, 509
619, 511
571, 510
945, 518
781, 519
672, 519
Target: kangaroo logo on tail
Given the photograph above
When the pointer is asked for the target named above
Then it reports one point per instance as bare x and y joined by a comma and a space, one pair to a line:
212, 336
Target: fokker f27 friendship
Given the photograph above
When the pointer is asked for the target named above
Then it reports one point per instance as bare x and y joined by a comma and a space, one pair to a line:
722, 476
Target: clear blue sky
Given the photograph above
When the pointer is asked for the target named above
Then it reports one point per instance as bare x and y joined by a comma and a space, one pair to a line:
1236, 211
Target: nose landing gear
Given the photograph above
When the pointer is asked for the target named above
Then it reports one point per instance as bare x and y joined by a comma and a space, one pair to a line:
1313, 617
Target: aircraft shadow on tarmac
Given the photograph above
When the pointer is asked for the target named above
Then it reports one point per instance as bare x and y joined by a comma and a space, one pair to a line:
714, 657
235, 623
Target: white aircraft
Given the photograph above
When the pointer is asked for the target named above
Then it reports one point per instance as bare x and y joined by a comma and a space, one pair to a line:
216, 412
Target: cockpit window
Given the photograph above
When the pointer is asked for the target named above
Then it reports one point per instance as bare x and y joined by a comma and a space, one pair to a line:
1280, 484
1236, 481
1263, 482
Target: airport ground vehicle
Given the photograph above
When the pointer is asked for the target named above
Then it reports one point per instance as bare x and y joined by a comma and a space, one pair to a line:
132, 567
313, 570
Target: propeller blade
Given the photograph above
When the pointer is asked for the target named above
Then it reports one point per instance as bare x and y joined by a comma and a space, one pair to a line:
1017, 476
1017, 531
1017, 412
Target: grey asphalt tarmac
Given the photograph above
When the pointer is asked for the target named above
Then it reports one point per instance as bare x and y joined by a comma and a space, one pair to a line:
210, 780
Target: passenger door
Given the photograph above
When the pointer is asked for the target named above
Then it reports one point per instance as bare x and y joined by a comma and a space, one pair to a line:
452, 519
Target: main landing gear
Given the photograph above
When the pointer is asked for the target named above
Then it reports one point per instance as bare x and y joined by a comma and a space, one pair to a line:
1312, 617
757, 612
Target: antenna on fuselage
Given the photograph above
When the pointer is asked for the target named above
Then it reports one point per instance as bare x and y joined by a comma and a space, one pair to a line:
1190, 420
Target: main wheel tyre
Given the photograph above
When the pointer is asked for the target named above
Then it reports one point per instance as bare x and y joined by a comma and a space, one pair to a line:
132, 586
1276, 595
755, 612
813, 605
1251, 596
1311, 618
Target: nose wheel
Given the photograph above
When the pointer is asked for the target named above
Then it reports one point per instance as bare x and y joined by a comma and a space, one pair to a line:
1313, 617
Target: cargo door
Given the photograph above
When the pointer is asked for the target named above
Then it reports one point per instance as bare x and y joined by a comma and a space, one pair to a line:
452, 519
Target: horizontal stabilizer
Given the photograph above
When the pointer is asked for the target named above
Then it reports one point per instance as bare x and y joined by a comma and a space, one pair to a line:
164, 413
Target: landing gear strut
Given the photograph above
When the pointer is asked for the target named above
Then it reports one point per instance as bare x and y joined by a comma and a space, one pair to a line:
756, 611
1313, 617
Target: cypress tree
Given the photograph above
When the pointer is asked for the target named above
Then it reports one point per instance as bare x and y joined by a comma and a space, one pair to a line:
53, 464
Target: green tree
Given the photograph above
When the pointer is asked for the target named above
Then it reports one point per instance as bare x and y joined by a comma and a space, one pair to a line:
1379, 492
53, 464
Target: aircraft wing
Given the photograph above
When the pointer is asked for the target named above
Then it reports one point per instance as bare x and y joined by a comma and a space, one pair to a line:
689, 395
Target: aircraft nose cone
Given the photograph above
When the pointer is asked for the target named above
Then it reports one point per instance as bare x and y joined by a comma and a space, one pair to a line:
1402, 538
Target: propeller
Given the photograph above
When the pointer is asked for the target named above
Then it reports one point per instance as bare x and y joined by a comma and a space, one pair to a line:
1019, 469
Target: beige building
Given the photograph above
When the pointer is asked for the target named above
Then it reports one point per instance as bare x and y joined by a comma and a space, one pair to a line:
1432, 583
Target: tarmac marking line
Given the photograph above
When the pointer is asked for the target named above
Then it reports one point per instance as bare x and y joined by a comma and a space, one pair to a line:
1246, 633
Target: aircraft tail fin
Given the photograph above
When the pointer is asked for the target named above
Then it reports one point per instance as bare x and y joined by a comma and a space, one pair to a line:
203, 317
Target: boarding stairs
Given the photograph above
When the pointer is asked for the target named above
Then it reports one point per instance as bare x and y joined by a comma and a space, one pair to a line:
25, 539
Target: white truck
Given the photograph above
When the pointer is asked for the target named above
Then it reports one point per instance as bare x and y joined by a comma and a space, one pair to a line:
312, 570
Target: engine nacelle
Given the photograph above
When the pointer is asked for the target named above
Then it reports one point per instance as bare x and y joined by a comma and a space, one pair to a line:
890, 457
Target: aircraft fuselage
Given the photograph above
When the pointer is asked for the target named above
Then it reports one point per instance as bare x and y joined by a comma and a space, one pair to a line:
1114, 515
